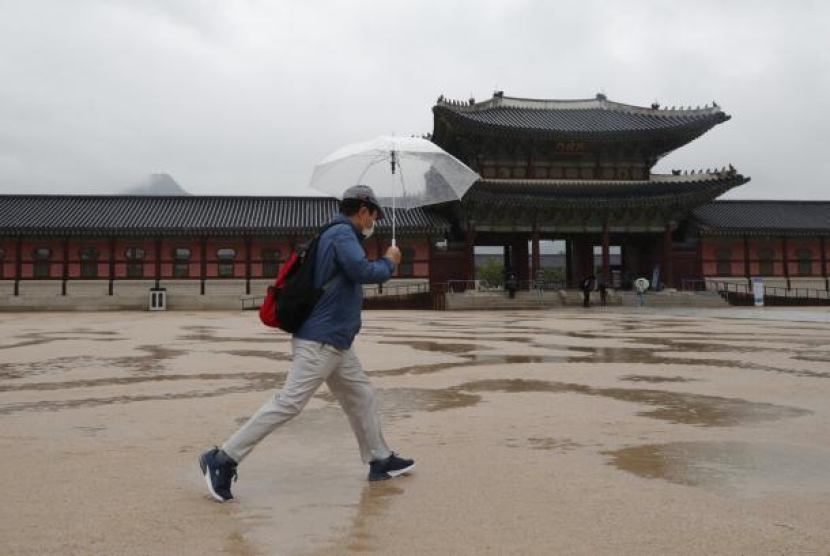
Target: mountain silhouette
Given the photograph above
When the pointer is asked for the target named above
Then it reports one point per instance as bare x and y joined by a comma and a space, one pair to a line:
157, 184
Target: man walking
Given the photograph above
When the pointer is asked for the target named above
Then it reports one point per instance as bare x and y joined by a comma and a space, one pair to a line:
322, 351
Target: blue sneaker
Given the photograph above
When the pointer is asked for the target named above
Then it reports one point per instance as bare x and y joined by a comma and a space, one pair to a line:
392, 466
218, 475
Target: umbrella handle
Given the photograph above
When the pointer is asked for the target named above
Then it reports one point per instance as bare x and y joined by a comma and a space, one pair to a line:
394, 242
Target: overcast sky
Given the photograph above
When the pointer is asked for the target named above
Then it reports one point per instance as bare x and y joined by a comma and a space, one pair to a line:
244, 96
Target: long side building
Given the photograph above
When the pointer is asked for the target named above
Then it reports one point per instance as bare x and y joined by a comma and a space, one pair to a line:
575, 171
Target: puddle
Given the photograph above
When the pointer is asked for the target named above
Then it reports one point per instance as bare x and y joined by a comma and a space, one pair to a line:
547, 444
272, 355
734, 467
473, 360
655, 379
396, 403
674, 407
440, 347
249, 382
42, 338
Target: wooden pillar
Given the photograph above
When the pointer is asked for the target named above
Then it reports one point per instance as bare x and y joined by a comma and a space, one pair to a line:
668, 267
747, 271
471, 250
521, 262
569, 271
65, 271
823, 244
158, 263
203, 266
606, 251
786, 256
248, 265
112, 266
536, 261
18, 265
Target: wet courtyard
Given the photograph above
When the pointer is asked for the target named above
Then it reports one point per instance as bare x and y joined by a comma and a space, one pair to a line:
559, 432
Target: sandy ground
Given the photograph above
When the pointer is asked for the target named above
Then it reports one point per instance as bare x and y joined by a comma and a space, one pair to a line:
561, 432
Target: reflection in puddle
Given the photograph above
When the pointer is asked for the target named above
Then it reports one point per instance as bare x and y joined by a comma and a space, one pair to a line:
374, 501
744, 468
674, 407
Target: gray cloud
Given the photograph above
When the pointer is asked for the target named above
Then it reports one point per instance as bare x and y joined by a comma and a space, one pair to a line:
243, 97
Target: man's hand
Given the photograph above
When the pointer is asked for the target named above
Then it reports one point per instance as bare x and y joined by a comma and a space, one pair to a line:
393, 254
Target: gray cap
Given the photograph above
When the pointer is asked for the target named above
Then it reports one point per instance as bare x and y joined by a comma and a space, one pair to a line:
363, 193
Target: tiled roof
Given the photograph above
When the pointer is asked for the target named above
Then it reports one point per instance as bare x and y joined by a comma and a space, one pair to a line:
185, 215
577, 118
759, 216
663, 189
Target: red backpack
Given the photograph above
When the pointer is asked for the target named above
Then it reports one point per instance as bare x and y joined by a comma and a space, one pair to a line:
290, 301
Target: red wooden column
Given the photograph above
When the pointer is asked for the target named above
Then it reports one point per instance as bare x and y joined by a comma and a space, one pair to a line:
247, 265
786, 256
18, 265
668, 267
112, 265
65, 269
569, 264
823, 243
471, 250
746, 262
536, 261
606, 251
158, 263
203, 265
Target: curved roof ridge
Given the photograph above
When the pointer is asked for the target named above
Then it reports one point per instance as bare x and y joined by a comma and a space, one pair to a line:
600, 101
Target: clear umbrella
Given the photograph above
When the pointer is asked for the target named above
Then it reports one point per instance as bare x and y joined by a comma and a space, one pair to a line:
406, 172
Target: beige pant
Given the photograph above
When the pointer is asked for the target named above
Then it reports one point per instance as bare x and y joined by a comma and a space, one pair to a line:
313, 363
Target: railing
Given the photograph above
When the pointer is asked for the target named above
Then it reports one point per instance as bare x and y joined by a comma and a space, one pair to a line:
742, 294
400, 296
688, 285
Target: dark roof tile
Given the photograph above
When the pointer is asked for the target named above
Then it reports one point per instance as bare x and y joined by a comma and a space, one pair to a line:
137, 214
754, 216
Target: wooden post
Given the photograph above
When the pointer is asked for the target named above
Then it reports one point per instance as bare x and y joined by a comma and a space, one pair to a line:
18, 266
203, 265
471, 250
569, 271
747, 272
536, 261
786, 257
112, 265
823, 243
248, 265
668, 267
65, 271
606, 251
158, 263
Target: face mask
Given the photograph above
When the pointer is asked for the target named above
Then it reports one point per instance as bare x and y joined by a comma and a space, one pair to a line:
367, 232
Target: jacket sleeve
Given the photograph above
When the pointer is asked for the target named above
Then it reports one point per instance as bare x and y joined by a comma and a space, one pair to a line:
352, 259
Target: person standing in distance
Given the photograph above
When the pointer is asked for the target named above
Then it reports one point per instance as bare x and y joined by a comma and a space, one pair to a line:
322, 351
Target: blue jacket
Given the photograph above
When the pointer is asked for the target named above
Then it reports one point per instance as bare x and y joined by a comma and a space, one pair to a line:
335, 319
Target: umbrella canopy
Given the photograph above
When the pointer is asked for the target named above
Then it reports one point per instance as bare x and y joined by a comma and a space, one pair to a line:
406, 172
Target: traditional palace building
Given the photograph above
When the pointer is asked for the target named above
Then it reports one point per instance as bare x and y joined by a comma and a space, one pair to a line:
574, 171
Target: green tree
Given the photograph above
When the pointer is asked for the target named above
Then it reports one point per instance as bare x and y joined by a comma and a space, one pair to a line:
491, 273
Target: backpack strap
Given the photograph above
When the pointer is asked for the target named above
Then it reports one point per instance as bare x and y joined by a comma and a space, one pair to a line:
335, 274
